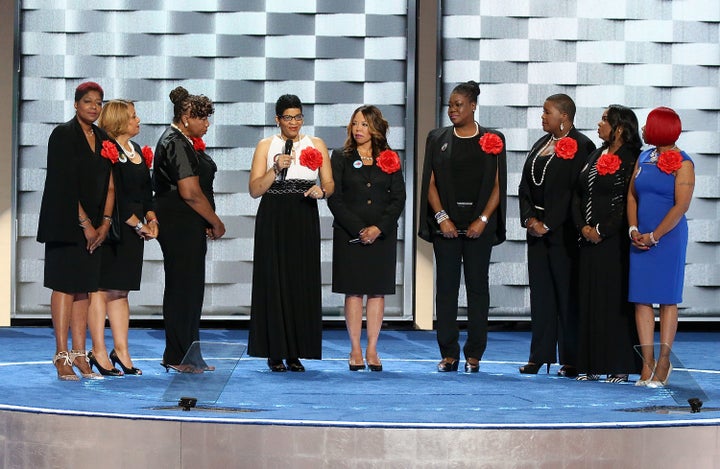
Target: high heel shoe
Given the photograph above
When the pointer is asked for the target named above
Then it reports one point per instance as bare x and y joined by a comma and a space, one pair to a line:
471, 367
293, 364
654, 383
353, 366
103, 371
568, 371
128, 371
644, 382
180, 368
83, 355
64, 359
374, 366
276, 365
446, 365
532, 368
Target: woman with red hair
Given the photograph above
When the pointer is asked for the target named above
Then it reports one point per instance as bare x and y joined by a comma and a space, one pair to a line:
659, 195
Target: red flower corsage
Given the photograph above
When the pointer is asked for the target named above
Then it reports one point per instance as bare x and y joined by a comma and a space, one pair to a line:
566, 148
198, 144
110, 151
147, 154
669, 161
388, 161
491, 143
608, 163
311, 158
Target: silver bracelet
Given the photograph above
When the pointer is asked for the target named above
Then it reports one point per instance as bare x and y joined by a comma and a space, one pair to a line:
652, 239
441, 216
631, 229
598, 230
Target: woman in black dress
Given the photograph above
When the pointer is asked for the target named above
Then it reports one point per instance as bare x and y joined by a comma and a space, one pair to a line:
77, 192
184, 201
463, 214
286, 309
368, 200
607, 329
122, 260
545, 194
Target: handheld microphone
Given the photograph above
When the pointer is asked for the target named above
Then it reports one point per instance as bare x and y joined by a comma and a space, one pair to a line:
288, 150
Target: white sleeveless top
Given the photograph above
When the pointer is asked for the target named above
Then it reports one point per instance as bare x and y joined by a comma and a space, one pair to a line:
296, 170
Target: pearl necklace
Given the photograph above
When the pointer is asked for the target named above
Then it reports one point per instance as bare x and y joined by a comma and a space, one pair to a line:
125, 154
542, 176
552, 155
477, 131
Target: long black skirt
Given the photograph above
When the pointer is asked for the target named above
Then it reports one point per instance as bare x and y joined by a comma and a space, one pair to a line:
286, 310
607, 320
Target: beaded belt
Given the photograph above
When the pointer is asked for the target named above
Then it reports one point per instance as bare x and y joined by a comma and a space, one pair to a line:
291, 186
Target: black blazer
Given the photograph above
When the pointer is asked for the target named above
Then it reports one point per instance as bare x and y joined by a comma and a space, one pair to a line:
75, 173
558, 187
438, 150
609, 194
364, 198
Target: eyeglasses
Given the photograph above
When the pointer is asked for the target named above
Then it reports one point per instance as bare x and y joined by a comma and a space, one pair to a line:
288, 118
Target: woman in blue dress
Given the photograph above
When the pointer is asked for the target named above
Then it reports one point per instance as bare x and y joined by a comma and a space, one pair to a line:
659, 195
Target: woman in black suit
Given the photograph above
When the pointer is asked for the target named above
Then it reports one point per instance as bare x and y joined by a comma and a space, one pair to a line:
607, 320
78, 191
545, 193
368, 200
185, 204
122, 260
462, 212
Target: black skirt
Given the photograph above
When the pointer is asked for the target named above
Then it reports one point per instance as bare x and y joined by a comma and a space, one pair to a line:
364, 268
70, 268
286, 310
122, 262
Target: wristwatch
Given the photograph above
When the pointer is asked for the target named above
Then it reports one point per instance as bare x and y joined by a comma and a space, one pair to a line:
139, 226
483, 219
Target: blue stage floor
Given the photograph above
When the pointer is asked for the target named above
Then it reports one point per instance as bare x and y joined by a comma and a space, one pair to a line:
409, 393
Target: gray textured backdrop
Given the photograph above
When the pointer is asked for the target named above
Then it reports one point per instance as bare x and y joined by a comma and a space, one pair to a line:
640, 53
337, 55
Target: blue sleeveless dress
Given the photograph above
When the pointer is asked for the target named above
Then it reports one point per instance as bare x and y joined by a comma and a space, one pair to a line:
657, 275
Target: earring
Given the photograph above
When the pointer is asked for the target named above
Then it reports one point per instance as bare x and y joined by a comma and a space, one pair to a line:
562, 126
187, 124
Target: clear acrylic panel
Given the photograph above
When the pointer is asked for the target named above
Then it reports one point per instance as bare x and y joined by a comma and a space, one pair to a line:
205, 371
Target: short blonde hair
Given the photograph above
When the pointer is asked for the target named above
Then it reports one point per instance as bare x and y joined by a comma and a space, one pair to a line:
115, 116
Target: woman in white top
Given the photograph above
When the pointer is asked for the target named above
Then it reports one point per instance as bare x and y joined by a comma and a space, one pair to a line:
286, 311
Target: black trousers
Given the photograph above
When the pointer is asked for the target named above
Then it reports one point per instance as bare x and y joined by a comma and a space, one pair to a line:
552, 270
474, 256
184, 246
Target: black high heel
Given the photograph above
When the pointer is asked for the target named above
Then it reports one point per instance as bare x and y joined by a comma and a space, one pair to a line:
472, 367
532, 368
354, 367
568, 371
276, 365
446, 365
293, 364
128, 371
374, 366
103, 371
180, 368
